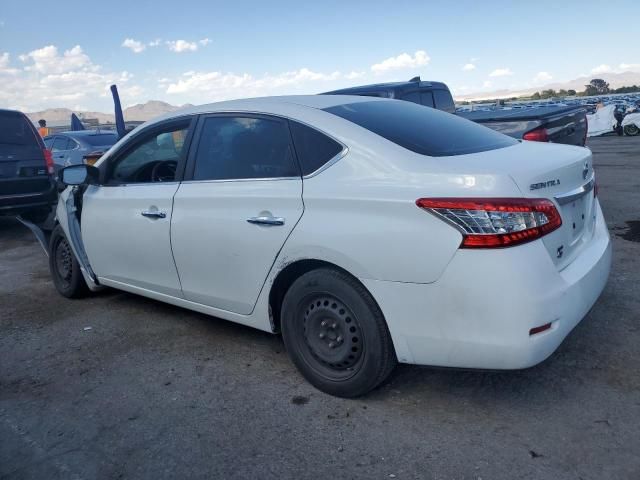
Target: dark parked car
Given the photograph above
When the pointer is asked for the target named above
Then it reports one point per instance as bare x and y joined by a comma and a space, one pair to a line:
82, 146
430, 94
557, 124
26, 167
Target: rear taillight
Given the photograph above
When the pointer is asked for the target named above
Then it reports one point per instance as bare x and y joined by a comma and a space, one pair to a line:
48, 160
495, 222
537, 135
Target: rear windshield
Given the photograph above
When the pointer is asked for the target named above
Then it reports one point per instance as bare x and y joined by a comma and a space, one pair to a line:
421, 129
101, 139
15, 130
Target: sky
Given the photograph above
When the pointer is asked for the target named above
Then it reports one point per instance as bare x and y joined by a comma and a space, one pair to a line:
67, 53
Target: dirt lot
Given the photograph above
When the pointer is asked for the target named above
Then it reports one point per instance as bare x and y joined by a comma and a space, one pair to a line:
117, 386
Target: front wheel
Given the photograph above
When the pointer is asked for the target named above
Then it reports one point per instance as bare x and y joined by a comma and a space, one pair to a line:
64, 268
336, 334
631, 130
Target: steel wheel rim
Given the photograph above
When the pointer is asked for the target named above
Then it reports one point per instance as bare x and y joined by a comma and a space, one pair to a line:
63, 262
332, 339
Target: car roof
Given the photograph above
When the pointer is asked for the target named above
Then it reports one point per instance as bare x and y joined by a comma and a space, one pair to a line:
266, 104
8, 110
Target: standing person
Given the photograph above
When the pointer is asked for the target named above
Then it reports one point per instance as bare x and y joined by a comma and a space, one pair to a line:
43, 130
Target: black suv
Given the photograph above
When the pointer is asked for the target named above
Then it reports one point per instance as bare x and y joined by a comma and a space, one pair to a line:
27, 182
430, 94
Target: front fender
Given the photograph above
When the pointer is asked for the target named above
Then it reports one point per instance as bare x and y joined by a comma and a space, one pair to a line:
68, 218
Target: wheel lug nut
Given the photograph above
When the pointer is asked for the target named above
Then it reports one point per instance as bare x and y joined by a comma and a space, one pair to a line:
334, 325
323, 323
339, 339
332, 345
322, 335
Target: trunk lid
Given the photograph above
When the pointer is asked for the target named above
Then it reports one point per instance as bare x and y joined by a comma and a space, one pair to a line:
568, 127
560, 173
565, 176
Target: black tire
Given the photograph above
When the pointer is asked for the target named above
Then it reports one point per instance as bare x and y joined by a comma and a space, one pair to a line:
631, 130
336, 334
64, 268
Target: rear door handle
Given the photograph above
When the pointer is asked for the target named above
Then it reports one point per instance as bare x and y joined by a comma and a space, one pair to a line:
153, 214
266, 220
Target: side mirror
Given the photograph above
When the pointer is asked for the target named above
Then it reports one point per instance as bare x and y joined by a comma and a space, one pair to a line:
79, 175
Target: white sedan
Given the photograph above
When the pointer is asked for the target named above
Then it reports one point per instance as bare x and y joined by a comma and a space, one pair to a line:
367, 231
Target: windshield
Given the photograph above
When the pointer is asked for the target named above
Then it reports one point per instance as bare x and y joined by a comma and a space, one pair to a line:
15, 130
423, 130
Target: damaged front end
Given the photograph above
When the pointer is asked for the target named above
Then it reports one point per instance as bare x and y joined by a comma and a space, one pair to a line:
69, 214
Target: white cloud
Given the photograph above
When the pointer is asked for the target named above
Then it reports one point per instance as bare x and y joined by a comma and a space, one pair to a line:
487, 84
634, 67
134, 45
601, 69
154, 43
47, 78
542, 77
5, 69
353, 75
402, 61
501, 72
204, 42
180, 46
468, 67
210, 86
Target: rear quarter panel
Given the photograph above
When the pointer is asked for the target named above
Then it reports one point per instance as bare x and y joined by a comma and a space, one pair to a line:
360, 213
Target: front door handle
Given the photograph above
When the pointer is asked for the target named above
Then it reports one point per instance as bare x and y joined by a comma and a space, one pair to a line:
153, 214
266, 220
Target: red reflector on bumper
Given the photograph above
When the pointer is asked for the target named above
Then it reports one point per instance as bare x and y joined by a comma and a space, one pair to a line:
539, 329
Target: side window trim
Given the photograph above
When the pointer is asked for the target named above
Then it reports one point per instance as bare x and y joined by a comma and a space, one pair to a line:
197, 134
144, 135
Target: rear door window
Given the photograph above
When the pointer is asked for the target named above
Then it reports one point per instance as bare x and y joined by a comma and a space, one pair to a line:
426, 99
411, 97
426, 131
244, 147
444, 101
314, 148
60, 143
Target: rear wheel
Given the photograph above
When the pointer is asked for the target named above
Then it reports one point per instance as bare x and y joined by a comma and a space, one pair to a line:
65, 269
336, 334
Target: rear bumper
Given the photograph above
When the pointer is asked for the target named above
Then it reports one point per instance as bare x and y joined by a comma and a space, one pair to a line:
479, 313
18, 203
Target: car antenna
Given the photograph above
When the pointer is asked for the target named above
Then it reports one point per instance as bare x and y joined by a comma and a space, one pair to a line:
415, 79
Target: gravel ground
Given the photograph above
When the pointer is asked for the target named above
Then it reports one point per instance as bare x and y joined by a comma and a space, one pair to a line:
118, 386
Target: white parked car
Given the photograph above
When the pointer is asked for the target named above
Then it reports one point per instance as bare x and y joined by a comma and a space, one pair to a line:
368, 231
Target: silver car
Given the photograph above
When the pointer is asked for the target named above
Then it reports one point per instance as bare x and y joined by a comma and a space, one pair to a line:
83, 146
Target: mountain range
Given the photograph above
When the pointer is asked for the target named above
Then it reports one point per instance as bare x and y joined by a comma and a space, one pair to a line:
138, 112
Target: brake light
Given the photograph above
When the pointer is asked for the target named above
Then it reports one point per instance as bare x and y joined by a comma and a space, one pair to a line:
48, 160
495, 222
537, 135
